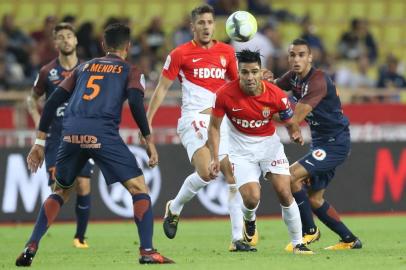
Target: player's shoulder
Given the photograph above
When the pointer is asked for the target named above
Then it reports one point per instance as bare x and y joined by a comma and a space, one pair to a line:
318, 75
229, 88
271, 87
183, 48
49, 66
224, 48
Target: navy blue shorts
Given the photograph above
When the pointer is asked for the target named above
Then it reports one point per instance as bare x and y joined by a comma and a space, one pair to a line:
323, 159
51, 150
114, 159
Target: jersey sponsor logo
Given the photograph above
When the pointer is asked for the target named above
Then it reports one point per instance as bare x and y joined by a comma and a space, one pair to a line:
223, 61
167, 62
266, 111
214, 197
205, 73
278, 162
250, 124
103, 68
194, 60
53, 75
85, 141
118, 199
319, 154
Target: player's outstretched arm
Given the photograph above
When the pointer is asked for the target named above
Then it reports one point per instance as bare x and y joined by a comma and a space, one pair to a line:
157, 97
35, 157
213, 143
32, 106
294, 131
301, 111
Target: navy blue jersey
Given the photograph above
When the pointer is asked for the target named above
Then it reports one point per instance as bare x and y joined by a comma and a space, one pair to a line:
99, 88
49, 77
326, 120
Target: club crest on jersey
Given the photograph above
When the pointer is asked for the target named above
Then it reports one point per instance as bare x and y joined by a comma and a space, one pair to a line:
319, 154
266, 111
223, 61
53, 75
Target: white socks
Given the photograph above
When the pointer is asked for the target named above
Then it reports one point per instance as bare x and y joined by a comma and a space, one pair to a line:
192, 184
234, 208
249, 214
291, 217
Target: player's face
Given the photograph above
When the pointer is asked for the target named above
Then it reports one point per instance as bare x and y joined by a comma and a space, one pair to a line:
65, 41
203, 28
300, 59
250, 78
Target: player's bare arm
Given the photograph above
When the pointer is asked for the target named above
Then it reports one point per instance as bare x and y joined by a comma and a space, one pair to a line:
294, 131
32, 106
214, 142
157, 98
301, 111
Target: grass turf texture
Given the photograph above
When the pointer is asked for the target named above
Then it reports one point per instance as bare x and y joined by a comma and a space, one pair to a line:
202, 244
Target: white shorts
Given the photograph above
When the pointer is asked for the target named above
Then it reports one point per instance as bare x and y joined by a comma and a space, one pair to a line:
256, 155
192, 130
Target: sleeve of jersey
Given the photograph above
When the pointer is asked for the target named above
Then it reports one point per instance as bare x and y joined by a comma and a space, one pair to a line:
218, 109
69, 82
172, 65
39, 84
285, 110
136, 80
284, 81
232, 69
317, 90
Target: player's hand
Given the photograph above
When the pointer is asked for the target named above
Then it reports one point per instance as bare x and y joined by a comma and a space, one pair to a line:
141, 137
296, 137
152, 154
35, 158
268, 75
214, 168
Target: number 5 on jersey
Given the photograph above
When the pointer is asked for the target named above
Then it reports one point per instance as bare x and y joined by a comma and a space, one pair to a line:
94, 86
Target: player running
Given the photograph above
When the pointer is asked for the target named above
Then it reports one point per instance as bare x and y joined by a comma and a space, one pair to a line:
48, 80
202, 65
250, 103
319, 104
97, 90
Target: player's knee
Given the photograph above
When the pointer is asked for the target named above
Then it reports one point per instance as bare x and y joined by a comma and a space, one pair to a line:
83, 186
63, 193
251, 199
204, 175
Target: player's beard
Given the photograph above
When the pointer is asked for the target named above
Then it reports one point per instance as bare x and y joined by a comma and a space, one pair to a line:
67, 53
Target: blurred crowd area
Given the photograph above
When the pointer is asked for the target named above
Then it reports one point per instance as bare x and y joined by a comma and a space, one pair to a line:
355, 57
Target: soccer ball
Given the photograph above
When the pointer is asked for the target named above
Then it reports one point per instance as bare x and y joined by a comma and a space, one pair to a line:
241, 26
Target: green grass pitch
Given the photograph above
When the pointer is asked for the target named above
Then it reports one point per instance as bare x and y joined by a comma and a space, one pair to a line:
202, 244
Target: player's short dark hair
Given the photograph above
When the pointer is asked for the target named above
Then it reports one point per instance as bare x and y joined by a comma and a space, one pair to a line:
116, 36
205, 8
63, 26
301, 41
247, 56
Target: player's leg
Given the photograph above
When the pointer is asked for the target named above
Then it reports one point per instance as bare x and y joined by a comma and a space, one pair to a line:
290, 210
82, 211
118, 164
234, 208
329, 216
234, 197
299, 175
247, 179
66, 170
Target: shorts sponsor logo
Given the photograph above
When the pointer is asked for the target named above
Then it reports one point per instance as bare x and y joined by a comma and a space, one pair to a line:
214, 197
118, 199
319, 154
279, 162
